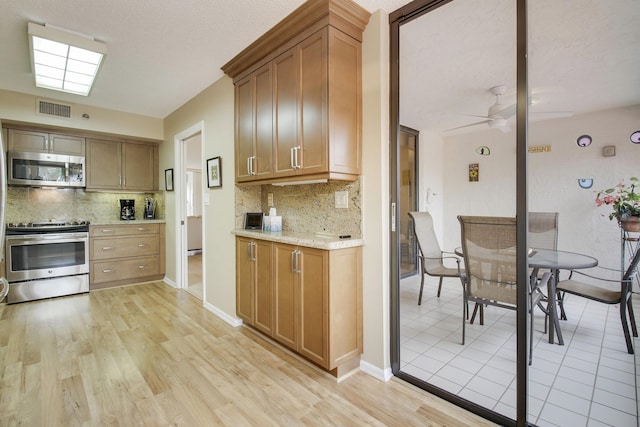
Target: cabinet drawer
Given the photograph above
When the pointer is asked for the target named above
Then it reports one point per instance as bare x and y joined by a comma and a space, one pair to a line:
123, 230
124, 247
110, 271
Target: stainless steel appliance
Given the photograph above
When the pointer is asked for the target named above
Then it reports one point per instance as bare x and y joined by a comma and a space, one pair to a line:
127, 209
43, 169
46, 259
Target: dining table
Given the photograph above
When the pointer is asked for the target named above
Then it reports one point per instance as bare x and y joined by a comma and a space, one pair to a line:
553, 260
556, 260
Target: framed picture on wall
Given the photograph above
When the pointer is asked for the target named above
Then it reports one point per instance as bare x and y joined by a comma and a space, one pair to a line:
214, 172
168, 179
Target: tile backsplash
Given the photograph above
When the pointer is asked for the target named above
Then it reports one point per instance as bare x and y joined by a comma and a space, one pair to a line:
308, 208
28, 204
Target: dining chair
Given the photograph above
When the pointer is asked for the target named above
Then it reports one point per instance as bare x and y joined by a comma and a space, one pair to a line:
600, 289
490, 277
432, 258
543, 234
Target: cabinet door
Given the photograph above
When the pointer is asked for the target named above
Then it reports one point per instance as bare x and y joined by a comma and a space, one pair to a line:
313, 305
138, 167
285, 110
104, 165
244, 127
263, 154
23, 140
65, 144
285, 296
263, 319
313, 104
345, 103
245, 274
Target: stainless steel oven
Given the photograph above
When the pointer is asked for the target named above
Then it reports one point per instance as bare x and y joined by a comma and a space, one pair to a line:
45, 260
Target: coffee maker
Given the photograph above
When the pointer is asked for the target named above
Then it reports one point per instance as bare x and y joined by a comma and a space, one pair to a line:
127, 209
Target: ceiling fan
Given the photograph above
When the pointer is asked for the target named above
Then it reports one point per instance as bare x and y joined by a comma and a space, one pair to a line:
498, 114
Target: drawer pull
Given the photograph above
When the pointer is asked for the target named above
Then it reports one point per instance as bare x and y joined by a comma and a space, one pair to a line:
141, 267
141, 245
107, 271
142, 229
107, 230
107, 248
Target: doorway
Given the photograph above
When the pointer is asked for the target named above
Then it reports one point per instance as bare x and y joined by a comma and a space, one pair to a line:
189, 207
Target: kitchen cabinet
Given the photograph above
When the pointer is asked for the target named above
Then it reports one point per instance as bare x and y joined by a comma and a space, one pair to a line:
44, 142
316, 105
311, 297
254, 292
113, 165
125, 254
253, 103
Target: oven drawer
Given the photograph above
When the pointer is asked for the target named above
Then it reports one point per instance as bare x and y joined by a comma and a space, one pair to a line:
123, 229
110, 271
124, 247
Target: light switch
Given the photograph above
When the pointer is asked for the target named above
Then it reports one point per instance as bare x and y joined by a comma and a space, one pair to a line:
269, 199
342, 199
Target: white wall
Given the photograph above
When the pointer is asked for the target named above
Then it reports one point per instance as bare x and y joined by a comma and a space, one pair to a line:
375, 195
22, 107
553, 177
431, 177
214, 108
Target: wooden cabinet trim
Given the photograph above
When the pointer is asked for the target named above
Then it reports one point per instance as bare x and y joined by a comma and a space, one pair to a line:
344, 15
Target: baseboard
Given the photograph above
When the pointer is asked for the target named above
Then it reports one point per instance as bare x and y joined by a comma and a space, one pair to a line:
233, 321
380, 374
170, 282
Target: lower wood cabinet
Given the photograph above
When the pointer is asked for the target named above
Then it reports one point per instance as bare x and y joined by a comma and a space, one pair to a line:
125, 254
309, 300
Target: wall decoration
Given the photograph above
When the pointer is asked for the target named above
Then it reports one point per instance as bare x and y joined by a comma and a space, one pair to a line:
483, 151
474, 172
585, 182
635, 137
214, 172
168, 179
584, 141
540, 149
609, 151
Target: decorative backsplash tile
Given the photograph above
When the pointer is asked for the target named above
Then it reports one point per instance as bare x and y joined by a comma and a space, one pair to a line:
28, 204
308, 208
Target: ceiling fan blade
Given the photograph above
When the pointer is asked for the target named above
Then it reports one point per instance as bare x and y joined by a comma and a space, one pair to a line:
469, 125
507, 112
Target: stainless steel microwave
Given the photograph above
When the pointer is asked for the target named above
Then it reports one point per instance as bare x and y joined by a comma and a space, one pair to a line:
44, 169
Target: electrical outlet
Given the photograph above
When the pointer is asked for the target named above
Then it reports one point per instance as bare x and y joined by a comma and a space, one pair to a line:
342, 199
269, 199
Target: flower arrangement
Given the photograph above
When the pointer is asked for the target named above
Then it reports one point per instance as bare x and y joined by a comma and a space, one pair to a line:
623, 198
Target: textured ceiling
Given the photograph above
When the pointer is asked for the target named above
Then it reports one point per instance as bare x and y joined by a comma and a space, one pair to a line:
584, 53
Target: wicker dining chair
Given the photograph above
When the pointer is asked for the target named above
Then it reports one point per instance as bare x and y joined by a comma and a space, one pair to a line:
490, 277
432, 258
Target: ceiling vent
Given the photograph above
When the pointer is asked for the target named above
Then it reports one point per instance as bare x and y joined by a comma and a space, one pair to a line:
52, 108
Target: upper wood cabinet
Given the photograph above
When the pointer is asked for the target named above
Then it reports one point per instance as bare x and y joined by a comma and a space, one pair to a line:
254, 117
299, 93
113, 165
43, 142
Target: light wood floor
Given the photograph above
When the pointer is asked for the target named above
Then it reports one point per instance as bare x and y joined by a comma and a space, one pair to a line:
151, 355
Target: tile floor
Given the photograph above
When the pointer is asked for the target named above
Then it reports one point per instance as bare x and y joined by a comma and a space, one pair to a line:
590, 381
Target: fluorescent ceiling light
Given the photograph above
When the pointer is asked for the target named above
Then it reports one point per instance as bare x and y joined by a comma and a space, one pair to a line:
63, 60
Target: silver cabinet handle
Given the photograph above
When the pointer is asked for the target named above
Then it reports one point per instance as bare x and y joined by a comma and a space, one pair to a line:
249, 166
140, 267
107, 271
295, 261
297, 157
107, 230
293, 162
141, 245
253, 251
253, 158
142, 229
107, 248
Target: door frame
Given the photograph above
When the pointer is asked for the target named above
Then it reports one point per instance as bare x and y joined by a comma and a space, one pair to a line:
181, 254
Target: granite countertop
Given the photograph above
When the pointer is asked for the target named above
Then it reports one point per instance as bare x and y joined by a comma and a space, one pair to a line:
311, 240
124, 222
